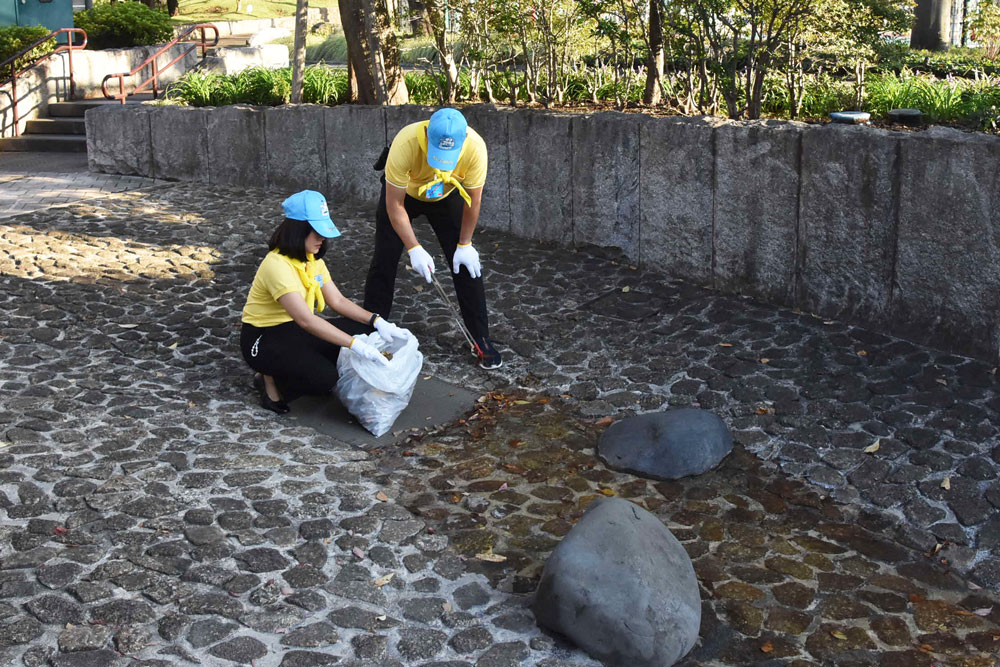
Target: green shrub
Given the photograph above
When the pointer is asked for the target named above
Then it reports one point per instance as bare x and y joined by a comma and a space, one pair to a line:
322, 85
124, 24
14, 38
262, 86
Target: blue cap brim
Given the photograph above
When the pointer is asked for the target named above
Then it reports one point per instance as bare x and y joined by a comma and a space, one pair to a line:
443, 160
325, 228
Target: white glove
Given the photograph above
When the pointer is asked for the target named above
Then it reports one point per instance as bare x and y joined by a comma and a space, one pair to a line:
422, 262
467, 256
389, 331
366, 351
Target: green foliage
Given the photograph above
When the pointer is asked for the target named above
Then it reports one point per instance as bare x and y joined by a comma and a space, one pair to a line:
985, 28
15, 38
322, 85
262, 86
123, 24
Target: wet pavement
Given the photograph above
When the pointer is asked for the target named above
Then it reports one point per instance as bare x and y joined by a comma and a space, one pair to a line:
149, 508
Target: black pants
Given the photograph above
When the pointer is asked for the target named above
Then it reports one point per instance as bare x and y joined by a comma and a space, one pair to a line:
445, 217
299, 362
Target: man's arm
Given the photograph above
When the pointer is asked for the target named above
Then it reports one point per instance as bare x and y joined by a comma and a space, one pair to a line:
470, 216
394, 199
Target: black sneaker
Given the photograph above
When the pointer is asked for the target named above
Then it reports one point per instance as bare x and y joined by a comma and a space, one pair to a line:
489, 356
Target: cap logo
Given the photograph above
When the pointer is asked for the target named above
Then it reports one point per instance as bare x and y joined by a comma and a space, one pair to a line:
446, 143
324, 210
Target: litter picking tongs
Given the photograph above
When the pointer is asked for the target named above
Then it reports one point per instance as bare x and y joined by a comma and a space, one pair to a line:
455, 316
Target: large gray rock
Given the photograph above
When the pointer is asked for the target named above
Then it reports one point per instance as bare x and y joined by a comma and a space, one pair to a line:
847, 220
236, 148
622, 588
756, 208
118, 139
491, 124
666, 445
295, 136
541, 189
180, 142
606, 181
677, 191
948, 259
355, 136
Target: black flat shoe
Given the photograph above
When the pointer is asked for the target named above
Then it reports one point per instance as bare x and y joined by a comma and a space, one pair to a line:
279, 407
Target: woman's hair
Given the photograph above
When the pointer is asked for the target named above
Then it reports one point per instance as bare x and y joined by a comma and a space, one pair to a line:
290, 239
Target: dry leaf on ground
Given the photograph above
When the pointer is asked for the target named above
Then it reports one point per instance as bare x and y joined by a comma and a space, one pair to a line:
382, 581
872, 448
381, 496
491, 557
946, 484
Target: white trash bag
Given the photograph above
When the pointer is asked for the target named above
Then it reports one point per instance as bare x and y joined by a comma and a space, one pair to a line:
376, 394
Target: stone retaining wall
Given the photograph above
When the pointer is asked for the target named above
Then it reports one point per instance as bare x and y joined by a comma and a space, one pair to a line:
895, 230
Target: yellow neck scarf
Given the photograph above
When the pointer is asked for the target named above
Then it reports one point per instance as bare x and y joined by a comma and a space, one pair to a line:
310, 277
442, 177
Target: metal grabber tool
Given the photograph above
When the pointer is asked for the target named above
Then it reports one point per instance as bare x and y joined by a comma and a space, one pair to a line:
457, 318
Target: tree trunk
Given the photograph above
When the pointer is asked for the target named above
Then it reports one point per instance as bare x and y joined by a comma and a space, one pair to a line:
931, 25
436, 14
373, 52
299, 61
654, 66
420, 23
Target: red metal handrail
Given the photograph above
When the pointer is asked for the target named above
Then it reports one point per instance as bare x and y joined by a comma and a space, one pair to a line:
69, 47
157, 71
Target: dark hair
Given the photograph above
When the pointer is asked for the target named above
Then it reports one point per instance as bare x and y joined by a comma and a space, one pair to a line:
290, 239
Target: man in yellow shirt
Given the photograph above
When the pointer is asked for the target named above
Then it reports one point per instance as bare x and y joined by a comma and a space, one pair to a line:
435, 168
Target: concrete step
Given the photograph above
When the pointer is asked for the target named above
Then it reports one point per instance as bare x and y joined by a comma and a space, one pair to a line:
77, 108
66, 125
61, 143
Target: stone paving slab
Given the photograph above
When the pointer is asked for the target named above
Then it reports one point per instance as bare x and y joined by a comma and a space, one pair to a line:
434, 404
36, 190
147, 501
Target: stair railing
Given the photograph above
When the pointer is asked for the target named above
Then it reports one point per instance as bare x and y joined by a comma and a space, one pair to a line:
69, 47
153, 80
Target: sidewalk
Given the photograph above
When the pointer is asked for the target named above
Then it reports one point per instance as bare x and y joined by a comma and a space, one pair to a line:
150, 506
34, 181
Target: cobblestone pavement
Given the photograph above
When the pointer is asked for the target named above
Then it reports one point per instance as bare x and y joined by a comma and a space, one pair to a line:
154, 511
24, 192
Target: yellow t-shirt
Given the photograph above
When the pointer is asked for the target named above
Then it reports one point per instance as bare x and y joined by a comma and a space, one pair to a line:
276, 277
406, 166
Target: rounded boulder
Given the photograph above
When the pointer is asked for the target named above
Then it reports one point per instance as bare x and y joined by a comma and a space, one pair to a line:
666, 445
622, 588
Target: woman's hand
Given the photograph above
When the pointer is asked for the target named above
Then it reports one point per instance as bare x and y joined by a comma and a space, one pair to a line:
367, 351
389, 331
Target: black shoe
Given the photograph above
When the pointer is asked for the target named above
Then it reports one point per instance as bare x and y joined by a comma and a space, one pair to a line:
279, 407
489, 356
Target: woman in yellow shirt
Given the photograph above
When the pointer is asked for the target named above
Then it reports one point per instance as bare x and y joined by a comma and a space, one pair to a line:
292, 348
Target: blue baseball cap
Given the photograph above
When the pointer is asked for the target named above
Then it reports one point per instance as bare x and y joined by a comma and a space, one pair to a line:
445, 136
310, 206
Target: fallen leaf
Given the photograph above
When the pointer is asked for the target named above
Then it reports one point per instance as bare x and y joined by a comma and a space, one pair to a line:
382, 581
606, 492
427, 377
872, 448
521, 402
764, 410
764, 360
725, 344
838, 634
962, 612
942, 381
985, 611
926, 648
59, 530
626, 288
381, 496
767, 648
128, 326
447, 607
491, 557
606, 421
358, 552
515, 443
862, 353
172, 347
946, 484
